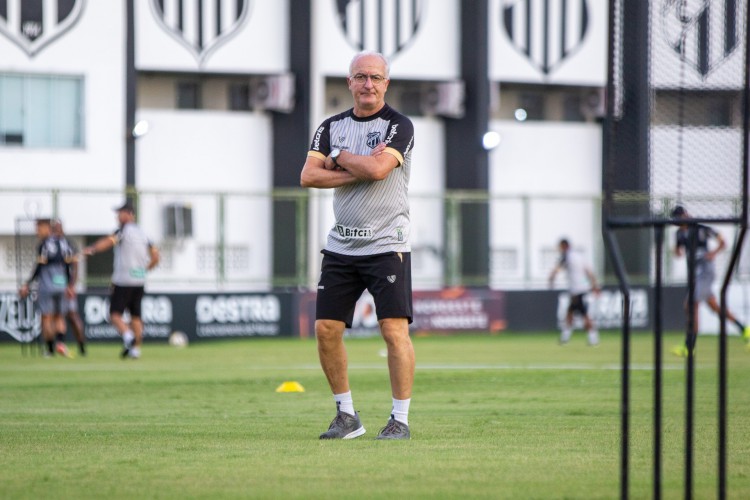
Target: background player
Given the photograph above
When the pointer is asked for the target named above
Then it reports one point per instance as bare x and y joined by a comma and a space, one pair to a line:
365, 154
70, 254
705, 270
134, 256
52, 274
581, 280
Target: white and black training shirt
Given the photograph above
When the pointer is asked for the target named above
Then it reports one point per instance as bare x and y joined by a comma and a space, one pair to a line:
52, 272
704, 234
578, 281
132, 256
372, 217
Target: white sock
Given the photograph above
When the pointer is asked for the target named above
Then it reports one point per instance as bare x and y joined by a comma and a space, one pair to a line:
344, 402
401, 410
127, 338
565, 335
593, 337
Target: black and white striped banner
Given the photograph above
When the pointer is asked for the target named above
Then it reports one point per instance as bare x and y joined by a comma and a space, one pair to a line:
386, 26
703, 32
546, 31
201, 25
32, 24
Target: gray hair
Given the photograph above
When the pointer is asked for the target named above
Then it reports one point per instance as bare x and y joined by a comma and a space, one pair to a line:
366, 53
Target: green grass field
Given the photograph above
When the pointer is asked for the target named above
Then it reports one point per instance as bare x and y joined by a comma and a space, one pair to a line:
507, 416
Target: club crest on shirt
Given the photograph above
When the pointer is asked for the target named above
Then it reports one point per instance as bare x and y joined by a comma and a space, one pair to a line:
373, 139
201, 27
33, 24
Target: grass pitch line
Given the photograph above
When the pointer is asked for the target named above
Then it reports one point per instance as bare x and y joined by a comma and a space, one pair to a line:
542, 367
70, 368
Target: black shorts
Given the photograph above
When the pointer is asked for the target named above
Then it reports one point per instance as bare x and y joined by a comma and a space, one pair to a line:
126, 297
577, 305
343, 278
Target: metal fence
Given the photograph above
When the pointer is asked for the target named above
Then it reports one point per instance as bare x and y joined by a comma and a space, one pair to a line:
261, 240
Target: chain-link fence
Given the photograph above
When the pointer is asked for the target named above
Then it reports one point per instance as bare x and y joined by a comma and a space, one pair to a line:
677, 82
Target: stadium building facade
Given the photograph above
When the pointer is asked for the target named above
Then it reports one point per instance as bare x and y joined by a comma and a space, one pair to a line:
229, 96
203, 112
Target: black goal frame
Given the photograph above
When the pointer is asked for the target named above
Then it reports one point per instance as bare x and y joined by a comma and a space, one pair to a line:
612, 224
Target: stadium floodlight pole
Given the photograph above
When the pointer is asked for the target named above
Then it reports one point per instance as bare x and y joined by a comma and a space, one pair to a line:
130, 95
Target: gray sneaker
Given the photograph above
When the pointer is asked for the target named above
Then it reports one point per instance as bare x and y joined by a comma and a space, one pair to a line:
344, 426
394, 430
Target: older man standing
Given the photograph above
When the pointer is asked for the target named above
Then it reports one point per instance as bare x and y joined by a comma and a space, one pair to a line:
52, 273
364, 154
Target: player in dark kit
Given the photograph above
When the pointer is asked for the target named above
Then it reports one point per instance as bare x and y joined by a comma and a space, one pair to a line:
705, 271
70, 254
52, 274
365, 155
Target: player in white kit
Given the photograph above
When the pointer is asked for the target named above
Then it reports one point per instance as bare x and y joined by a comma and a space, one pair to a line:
581, 280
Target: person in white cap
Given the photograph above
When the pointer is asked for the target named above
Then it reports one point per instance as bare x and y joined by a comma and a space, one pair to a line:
134, 256
581, 280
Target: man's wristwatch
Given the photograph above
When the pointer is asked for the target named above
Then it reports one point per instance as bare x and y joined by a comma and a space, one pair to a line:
335, 156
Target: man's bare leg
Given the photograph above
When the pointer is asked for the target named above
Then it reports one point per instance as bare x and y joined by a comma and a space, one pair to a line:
332, 353
128, 336
401, 359
401, 363
137, 325
333, 360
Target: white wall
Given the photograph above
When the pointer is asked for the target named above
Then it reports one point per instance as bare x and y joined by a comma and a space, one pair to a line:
697, 162
586, 62
215, 153
559, 162
258, 44
92, 48
426, 189
204, 151
546, 158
